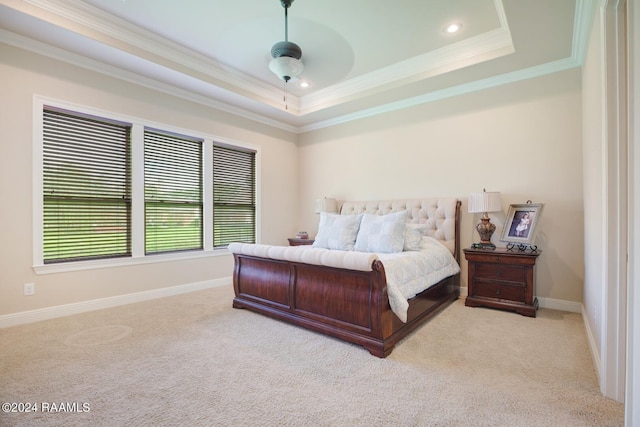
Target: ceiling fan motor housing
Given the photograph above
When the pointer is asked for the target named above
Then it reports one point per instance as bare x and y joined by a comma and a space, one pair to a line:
286, 48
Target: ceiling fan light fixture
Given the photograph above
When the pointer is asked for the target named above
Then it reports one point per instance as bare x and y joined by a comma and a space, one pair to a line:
286, 67
286, 55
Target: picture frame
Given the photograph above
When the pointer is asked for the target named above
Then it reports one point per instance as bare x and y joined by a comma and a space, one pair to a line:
521, 223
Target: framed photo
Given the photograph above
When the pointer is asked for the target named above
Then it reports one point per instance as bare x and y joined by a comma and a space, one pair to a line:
520, 226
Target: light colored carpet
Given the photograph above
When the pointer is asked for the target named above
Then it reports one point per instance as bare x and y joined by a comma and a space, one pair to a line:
193, 360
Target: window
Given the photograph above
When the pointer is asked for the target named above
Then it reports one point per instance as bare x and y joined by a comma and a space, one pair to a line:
115, 191
86, 187
172, 192
234, 198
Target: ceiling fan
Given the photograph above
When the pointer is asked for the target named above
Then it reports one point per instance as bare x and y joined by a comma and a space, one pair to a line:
286, 55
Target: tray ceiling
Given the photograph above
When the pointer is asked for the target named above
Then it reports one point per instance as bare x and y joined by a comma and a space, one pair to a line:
361, 57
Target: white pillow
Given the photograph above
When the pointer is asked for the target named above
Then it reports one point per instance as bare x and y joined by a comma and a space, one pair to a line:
413, 235
337, 231
382, 233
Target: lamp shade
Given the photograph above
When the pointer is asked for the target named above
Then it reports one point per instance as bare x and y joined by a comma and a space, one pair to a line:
487, 201
326, 205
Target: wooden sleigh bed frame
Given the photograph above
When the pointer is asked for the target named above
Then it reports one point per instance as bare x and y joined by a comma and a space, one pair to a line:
348, 304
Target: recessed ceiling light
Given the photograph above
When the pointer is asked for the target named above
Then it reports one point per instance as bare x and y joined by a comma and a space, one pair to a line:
304, 84
453, 28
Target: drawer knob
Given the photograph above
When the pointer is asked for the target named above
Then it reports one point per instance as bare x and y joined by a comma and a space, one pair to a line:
498, 273
498, 292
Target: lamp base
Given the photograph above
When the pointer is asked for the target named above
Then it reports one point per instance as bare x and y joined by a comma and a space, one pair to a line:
485, 229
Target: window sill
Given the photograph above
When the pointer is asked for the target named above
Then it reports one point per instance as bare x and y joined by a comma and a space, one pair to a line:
125, 262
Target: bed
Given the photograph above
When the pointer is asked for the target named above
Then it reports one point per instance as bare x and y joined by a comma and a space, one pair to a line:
346, 293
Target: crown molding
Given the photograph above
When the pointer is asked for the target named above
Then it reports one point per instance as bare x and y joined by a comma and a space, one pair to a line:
134, 78
465, 88
584, 13
100, 67
484, 47
490, 45
93, 23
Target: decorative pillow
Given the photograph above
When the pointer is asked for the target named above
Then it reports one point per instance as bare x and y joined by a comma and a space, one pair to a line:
413, 235
382, 233
337, 231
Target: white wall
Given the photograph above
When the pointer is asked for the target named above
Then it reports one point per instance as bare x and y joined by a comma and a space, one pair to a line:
594, 157
632, 396
607, 213
23, 74
522, 139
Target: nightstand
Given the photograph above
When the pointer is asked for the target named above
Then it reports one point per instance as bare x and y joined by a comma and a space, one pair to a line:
502, 279
299, 242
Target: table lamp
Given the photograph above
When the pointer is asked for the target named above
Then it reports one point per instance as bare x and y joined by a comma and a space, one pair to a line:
485, 202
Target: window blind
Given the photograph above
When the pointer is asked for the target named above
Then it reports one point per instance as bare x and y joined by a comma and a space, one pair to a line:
234, 196
173, 192
86, 187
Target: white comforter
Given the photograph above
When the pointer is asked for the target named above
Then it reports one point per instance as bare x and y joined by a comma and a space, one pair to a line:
408, 273
411, 272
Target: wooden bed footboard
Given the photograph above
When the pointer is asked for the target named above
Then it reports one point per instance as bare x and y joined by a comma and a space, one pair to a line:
346, 304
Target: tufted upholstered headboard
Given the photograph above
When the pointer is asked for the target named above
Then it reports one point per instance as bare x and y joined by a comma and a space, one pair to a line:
441, 215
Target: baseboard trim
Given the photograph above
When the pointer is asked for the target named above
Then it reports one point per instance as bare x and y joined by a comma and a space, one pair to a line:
595, 354
32, 316
559, 304
550, 303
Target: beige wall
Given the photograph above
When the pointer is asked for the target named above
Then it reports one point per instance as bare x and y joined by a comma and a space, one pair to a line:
23, 74
522, 139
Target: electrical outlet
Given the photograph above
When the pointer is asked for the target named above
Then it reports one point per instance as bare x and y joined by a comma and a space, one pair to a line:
29, 288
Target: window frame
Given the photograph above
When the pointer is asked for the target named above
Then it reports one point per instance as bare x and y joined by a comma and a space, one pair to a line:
138, 125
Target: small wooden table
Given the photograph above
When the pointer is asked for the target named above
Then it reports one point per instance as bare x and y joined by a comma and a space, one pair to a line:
503, 279
294, 241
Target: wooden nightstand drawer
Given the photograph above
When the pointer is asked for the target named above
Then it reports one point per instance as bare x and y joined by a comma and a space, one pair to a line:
502, 291
512, 273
